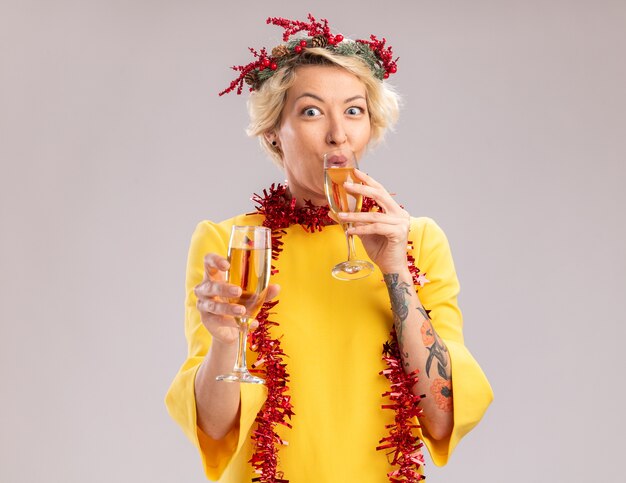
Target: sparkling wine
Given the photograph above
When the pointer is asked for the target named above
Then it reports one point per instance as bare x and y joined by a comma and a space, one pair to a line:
340, 166
250, 255
339, 199
250, 269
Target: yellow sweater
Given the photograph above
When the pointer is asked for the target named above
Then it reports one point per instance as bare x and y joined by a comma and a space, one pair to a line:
333, 333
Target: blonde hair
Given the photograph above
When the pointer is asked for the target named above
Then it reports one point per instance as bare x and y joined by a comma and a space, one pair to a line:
265, 105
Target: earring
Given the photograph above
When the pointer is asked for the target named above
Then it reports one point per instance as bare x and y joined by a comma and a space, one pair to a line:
274, 143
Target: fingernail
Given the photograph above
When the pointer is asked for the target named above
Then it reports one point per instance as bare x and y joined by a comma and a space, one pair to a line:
236, 291
342, 215
240, 310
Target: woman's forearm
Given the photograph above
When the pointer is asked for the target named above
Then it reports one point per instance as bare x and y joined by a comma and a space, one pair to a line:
422, 349
217, 403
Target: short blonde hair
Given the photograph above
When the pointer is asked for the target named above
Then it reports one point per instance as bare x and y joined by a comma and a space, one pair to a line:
265, 105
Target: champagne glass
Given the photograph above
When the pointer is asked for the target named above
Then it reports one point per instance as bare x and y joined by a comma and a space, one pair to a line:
339, 166
250, 257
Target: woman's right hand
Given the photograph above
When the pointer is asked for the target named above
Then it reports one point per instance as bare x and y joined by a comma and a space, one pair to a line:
216, 313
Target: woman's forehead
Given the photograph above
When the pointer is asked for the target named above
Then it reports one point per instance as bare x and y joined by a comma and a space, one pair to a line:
316, 79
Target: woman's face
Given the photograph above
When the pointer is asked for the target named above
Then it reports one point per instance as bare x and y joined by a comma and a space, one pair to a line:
326, 107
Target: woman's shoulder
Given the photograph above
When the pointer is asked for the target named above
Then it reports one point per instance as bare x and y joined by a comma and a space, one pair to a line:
250, 219
208, 232
430, 245
425, 227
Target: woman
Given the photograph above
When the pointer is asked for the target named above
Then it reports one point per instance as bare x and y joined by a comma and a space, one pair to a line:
320, 345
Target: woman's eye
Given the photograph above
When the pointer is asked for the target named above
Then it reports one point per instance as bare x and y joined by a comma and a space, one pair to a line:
311, 112
354, 111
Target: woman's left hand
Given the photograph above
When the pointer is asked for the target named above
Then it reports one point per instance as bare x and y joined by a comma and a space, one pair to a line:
385, 233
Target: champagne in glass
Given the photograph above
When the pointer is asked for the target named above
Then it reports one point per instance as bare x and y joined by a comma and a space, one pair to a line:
250, 257
339, 199
339, 166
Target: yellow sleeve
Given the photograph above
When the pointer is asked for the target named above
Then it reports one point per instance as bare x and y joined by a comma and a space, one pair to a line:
472, 393
180, 399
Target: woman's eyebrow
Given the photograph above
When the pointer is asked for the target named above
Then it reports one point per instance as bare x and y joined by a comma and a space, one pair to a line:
318, 98
308, 94
354, 98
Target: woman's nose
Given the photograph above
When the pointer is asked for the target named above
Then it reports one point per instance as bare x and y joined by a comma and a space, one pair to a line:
336, 133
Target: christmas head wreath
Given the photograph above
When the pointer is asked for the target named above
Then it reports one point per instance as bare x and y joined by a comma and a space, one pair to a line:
312, 34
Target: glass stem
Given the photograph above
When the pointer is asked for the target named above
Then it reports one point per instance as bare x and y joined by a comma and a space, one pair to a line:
240, 364
350, 241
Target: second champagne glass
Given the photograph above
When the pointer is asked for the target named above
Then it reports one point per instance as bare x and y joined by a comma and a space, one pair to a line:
250, 258
339, 166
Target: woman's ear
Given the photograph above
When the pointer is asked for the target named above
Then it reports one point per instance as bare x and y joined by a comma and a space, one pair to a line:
271, 138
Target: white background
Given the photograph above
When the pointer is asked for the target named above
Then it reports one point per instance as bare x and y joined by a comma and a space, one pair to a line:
114, 144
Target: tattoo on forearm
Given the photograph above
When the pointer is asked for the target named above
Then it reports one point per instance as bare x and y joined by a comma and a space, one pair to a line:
441, 389
399, 295
436, 351
424, 312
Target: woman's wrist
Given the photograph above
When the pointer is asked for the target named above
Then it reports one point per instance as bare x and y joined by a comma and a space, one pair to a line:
402, 271
219, 347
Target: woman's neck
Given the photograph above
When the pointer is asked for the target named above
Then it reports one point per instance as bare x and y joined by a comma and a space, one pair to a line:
301, 195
